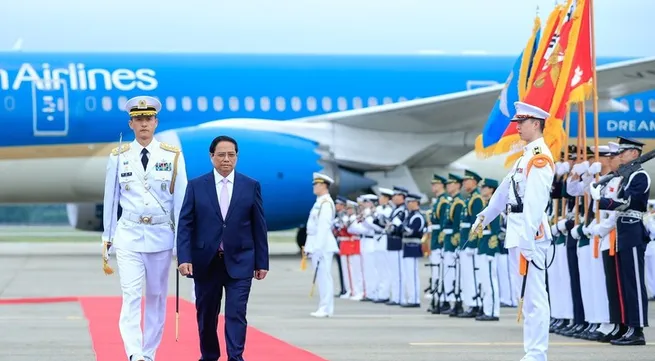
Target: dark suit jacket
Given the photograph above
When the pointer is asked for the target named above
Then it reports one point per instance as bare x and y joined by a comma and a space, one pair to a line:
244, 233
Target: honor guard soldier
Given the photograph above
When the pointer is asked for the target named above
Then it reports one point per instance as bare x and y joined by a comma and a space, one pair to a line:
508, 298
525, 194
649, 266
630, 204
559, 282
368, 238
395, 244
337, 227
352, 249
488, 267
413, 230
147, 179
438, 218
451, 233
382, 217
321, 244
469, 261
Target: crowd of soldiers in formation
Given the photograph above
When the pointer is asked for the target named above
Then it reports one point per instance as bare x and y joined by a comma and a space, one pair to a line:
382, 238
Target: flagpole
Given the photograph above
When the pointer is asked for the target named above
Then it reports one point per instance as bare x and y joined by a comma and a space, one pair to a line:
566, 155
595, 107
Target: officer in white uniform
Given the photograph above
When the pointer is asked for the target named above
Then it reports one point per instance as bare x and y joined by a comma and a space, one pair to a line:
525, 193
321, 245
148, 180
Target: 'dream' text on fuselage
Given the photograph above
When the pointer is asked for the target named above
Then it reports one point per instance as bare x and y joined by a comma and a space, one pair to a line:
631, 125
78, 77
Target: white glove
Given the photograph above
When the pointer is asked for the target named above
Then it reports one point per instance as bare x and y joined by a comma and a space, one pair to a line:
469, 251
558, 168
554, 231
575, 233
587, 231
345, 219
594, 168
594, 191
566, 168
527, 253
593, 230
561, 225
476, 224
580, 168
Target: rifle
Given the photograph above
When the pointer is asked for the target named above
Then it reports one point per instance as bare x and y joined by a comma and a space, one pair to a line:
625, 170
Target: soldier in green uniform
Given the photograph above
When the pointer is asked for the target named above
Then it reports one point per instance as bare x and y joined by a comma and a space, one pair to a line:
438, 216
488, 248
451, 241
469, 261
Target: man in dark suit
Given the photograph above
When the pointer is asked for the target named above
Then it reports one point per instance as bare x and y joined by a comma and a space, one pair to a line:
222, 243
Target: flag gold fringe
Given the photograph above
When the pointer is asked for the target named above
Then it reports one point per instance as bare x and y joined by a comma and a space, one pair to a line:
524, 74
506, 144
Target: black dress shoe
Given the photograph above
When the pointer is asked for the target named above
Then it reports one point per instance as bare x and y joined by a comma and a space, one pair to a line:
445, 308
486, 318
471, 313
381, 301
572, 330
595, 336
636, 338
392, 303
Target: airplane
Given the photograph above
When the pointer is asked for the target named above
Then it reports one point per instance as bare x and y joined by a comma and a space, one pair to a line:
368, 121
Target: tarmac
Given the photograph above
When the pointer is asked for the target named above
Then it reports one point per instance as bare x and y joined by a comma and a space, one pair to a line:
279, 305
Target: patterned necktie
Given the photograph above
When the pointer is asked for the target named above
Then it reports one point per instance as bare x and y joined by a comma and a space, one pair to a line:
144, 158
224, 203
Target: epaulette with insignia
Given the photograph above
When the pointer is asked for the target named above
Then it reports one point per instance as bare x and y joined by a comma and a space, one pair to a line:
168, 147
536, 150
119, 150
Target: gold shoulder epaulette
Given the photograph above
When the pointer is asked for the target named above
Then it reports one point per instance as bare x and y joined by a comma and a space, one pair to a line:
168, 147
119, 150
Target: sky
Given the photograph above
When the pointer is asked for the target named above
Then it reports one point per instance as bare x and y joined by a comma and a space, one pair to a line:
623, 27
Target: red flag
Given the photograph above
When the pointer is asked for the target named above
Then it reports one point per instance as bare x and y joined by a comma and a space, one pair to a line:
565, 76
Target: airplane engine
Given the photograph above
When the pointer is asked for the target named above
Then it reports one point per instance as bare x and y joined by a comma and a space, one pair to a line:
283, 164
85, 216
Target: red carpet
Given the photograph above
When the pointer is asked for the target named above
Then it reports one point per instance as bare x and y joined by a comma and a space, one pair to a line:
102, 314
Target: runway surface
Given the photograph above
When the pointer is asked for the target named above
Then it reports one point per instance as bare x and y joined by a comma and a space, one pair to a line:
280, 307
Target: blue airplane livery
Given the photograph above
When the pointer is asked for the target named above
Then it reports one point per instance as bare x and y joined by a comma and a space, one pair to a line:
365, 120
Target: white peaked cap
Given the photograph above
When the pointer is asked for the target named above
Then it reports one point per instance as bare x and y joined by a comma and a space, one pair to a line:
322, 178
525, 111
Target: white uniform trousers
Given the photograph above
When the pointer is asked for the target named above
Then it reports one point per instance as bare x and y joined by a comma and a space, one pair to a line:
437, 271
467, 272
322, 265
382, 268
450, 278
514, 276
536, 311
133, 269
649, 268
394, 262
566, 295
584, 267
352, 273
600, 301
411, 282
488, 275
369, 267
504, 280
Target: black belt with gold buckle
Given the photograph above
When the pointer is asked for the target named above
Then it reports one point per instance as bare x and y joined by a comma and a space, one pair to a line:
514, 208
